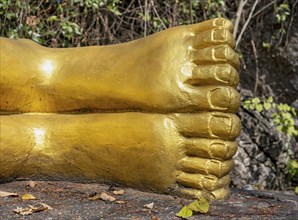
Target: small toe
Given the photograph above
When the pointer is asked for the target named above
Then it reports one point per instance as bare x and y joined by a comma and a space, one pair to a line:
211, 24
206, 166
221, 193
203, 182
212, 37
214, 54
210, 148
215, 125
217, 74
211, 98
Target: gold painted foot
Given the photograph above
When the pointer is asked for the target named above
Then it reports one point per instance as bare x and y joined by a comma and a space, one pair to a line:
186, 153
182, 69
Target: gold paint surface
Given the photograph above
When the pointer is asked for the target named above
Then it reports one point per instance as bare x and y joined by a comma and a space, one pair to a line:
155, 113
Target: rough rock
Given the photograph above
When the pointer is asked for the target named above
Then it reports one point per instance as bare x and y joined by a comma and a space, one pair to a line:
263, 152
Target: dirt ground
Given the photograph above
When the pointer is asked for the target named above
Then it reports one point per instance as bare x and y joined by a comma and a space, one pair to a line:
76, 201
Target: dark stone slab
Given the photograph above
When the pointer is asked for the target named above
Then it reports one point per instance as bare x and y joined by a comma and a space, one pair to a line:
72, 201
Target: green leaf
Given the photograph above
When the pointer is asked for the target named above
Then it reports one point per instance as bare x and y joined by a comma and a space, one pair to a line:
259, 107
296, 189
185, 212
52, 18
279, 128
270, 99
267, 105
293, 112
200, 205
252, 107
256, 100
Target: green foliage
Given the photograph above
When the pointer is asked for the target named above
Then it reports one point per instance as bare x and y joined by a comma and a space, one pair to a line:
283, 115
282, 12
293, 170
266, 45
54, 23
198, 206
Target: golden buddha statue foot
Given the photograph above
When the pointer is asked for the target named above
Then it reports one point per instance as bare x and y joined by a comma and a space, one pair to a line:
183, 69
158, 111
184, 153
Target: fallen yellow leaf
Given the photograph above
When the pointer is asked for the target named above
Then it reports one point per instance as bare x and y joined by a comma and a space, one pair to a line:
185, 212
200, 205
28, 196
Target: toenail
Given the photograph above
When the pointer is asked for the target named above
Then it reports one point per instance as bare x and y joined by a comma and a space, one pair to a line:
213, 166
223, 73
219, 22
223, 23
209, 182
220, 54
219, 98
219, 150
220, 125
218, 35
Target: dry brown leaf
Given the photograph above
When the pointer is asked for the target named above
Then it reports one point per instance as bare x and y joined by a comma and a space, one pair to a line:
28, 196
47, 207
118, 192
106, 197
8, 194
120, 202
23, 211
31, 209
31, 184
96, 197
149, 205
154, 218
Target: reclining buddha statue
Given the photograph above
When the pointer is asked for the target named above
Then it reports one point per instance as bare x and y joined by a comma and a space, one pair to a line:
157, 113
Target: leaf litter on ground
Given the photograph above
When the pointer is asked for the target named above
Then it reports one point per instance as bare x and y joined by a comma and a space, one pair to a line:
8, 194
103, 196
31, 184
31, 209
149, 205
118, 192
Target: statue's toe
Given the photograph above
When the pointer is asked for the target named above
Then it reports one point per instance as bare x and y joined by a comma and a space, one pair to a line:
208, 125
220, 193
215, 55
211, 98
217, 23
202, 182
212, 37
217, 74
210, 148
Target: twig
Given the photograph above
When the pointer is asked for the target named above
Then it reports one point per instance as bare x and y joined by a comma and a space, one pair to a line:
190, 11
238, 16
156, 13
291, 22
145, 18
257, 67
247, 22
262, 9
